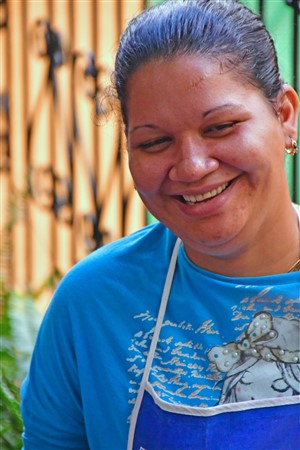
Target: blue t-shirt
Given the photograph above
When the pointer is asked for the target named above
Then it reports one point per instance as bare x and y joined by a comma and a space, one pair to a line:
92, 346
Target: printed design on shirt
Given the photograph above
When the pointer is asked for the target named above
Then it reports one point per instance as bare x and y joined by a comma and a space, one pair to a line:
178, 368
263, 363
181, 371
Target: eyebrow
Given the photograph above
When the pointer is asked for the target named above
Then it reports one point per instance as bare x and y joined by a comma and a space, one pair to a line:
146, 125
221, 107
205, 114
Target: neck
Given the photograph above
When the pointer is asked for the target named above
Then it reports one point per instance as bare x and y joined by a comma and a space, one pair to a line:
273, 249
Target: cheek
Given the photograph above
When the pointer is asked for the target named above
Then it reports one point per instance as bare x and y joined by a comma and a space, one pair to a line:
147, 173
245, 152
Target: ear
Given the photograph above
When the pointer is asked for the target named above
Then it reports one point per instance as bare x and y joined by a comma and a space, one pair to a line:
287, 105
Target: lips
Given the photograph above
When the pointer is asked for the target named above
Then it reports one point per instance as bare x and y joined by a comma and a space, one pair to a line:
193, 199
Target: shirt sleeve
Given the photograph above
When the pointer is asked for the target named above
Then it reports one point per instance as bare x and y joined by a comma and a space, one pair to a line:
51, 402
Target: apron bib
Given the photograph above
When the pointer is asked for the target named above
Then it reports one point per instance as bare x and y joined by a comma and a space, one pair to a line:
269, 424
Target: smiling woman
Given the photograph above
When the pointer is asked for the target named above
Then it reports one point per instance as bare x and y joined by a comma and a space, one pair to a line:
209, 162
186, 333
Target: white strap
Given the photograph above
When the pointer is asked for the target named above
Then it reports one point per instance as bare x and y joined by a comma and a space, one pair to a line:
159, 321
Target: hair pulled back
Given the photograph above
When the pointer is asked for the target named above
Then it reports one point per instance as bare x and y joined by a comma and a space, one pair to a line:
222, 29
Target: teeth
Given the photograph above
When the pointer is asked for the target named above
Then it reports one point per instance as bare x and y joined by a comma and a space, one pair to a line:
201, 197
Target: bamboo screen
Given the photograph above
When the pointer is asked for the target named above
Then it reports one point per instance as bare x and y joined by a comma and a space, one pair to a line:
65, 186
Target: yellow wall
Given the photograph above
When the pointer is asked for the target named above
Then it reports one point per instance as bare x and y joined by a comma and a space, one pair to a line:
49, 160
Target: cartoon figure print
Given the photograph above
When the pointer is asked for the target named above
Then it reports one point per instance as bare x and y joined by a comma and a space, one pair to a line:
264, 363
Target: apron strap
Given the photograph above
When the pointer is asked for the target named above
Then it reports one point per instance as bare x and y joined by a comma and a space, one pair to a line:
159, 321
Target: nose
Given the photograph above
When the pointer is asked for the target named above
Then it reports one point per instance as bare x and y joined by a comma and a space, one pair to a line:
192, 162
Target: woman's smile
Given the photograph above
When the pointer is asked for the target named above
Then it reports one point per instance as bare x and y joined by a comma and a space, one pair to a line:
196, 198
206, 204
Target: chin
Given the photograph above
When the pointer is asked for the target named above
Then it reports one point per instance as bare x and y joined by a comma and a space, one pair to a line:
213, 241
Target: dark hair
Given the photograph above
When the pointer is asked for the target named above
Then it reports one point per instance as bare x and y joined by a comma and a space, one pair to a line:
222, 29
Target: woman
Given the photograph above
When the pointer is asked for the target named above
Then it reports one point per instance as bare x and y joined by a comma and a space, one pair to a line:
143, 337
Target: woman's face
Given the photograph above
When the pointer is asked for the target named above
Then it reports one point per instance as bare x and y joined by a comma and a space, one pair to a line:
206, 152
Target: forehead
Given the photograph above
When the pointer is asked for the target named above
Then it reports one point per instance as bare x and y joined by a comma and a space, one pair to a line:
192, 70
164, 85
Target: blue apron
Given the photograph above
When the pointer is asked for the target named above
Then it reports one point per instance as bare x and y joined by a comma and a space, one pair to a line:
266, 424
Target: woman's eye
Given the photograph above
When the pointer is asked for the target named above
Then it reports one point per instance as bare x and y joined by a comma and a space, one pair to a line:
221, 129
155, 144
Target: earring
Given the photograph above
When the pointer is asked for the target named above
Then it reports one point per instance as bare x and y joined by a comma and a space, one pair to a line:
293, 149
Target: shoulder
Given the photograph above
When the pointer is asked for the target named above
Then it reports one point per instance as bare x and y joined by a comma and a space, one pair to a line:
152, 241
130, 260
